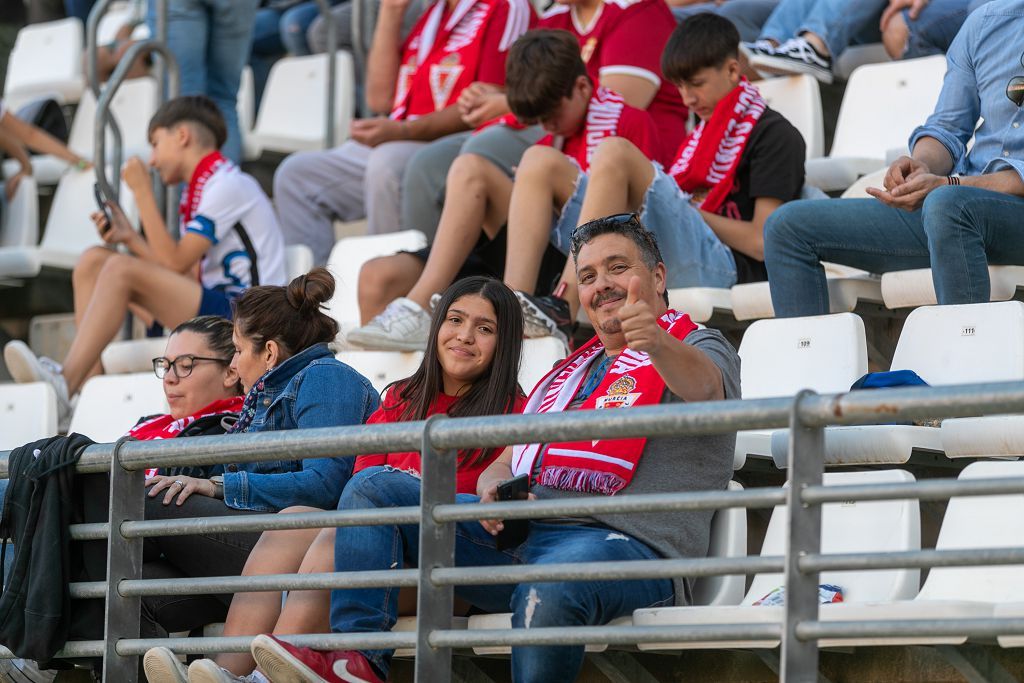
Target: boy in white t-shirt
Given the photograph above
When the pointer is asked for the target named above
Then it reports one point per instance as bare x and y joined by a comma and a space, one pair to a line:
230, 241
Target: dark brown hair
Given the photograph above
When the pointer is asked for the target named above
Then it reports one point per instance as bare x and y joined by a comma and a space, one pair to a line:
291, 315
217, 333
700, 41
542, 68
199, 111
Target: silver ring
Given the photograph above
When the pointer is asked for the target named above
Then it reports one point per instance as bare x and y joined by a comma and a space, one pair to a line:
180, 483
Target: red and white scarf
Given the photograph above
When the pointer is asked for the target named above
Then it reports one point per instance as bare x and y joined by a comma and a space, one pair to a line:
602, 466
707, 161
206, 167
169, 427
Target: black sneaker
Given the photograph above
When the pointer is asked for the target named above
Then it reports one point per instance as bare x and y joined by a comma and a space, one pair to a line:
795, 56
545, 316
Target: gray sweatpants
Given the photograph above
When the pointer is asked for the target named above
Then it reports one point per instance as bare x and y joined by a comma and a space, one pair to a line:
349, 182
423, 187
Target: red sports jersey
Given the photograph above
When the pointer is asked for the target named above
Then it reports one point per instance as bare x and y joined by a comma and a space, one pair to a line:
608, 116
627, 37
450, 48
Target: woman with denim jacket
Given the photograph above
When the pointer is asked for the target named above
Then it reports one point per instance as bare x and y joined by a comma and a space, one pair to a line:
292, 381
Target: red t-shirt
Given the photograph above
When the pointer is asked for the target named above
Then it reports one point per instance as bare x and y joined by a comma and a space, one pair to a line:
391, 411
448, 49
627, 37
608, 116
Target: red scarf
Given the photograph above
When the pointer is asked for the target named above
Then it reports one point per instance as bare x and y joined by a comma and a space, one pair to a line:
206, 167
168, 427
442, 58
707, 161
602, 466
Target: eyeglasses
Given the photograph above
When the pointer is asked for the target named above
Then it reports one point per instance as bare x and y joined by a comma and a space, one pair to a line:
1015, 88
181, 366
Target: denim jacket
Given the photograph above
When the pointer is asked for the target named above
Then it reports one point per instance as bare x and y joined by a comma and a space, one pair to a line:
310, 389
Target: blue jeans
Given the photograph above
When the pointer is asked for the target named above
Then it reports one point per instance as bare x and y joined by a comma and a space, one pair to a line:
211, 40
958, 232
565, 603
266, 48
746, 15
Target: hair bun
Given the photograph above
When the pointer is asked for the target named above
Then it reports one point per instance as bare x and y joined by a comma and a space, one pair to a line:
308, 292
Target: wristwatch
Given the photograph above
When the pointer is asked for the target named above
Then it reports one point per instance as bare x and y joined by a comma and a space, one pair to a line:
218, 485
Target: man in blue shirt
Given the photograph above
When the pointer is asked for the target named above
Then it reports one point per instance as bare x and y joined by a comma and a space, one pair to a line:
947, 207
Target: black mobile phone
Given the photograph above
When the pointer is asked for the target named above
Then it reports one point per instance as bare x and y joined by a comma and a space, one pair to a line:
516, 530
102, 205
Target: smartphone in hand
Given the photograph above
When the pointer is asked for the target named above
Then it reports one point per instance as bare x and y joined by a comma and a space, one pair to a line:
102, 205
515, 531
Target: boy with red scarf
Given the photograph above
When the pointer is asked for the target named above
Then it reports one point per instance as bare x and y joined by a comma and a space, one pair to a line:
741, 162
230, 239
643, 354
419, 81
548, 83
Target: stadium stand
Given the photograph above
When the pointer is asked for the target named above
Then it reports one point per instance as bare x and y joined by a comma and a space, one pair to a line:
46, 61
27, 412
798, 98
21, 216
110, 405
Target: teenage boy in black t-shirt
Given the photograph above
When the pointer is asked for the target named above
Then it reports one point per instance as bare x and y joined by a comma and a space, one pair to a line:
708, 210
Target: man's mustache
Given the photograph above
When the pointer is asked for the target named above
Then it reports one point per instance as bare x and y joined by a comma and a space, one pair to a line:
605, 296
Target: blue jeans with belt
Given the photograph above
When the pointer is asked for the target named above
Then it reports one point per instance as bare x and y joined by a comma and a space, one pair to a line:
959, 231
561, 603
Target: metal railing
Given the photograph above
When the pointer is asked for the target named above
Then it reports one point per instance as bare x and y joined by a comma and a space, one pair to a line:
438, 438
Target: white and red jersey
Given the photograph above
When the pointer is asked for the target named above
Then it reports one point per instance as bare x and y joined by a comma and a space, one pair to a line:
608, 116
449, 48
627, 37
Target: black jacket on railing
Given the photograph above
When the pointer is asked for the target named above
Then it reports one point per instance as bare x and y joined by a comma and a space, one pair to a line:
35, 607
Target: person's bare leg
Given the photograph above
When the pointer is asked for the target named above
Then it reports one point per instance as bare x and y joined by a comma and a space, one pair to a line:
476, 198
895, 36
618, 179
277, 552
83, 282
545, 180
310, 611
384, 279
122, 281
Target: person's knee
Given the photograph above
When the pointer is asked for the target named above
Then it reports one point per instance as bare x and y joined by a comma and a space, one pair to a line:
90, 263
383, 273
289, 173
381, 167
378, 487
469, 171
536, 605
785, 225
895, 35
612, 155
545, 162
945, 211
118, 270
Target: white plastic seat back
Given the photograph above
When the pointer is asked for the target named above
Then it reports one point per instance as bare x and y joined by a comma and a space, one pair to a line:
382, 367
21, 216
349, 255
909, 90
27, 412
46, 60
855, 527
110, 405
539, 356
133, 106
798, 98
728, 539
782, 356
963, 343
291, 116
981, 522
298, 259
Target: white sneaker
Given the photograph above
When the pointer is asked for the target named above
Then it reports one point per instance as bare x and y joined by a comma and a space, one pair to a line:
795, 56
24, 671
163, 666
207, 671
25, 367
403, 326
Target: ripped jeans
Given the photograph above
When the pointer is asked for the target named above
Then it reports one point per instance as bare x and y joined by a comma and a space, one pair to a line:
564, 603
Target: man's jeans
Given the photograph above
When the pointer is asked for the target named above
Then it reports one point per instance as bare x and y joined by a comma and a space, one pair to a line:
211, 40
958, 232
563, 603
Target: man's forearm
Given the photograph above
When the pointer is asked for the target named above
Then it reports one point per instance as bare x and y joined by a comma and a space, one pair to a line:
1007, 181
688, 372
934, 155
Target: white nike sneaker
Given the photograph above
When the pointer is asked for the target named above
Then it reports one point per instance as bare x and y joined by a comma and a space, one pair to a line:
26, 367
402, 326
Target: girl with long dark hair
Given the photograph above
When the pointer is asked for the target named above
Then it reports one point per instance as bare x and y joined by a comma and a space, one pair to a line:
470, 368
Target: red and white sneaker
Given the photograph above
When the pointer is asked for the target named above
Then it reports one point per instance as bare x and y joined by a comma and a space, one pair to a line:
286, 663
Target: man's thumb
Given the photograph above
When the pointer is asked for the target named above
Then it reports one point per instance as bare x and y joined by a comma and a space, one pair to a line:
633, 292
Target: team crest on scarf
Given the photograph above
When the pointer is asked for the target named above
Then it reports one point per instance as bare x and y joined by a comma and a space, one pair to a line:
620, 394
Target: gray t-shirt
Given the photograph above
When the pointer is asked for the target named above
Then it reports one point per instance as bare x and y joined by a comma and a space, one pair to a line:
675, 464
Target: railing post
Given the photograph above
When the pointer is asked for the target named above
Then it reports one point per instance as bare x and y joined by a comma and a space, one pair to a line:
124, 561
806, 464
435, 604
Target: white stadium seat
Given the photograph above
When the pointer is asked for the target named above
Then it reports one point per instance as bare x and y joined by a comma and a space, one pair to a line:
700, 303
855, 56
246, 107
27, 412
826, 353
46, 62
912, 288
866, 132
21, 216
851, 527
109, 405
291, 116
69, 231
798, 98
944, 345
